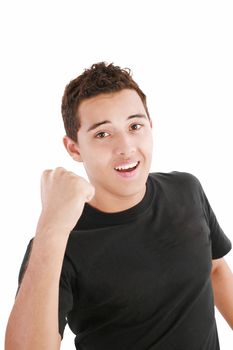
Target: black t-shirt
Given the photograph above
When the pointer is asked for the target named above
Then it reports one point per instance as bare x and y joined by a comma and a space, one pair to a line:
141, 278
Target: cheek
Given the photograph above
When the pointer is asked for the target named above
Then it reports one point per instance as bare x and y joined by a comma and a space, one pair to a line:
98, 157
147, 148
147, 141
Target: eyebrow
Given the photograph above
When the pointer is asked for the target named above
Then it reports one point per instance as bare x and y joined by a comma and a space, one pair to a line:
94, 126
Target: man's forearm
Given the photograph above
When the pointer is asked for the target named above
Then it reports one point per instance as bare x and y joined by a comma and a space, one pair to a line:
33, 323
222, 282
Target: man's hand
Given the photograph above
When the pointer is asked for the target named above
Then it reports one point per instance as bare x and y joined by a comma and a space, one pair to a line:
63, 195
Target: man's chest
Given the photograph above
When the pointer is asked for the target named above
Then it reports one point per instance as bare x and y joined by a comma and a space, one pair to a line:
142, 268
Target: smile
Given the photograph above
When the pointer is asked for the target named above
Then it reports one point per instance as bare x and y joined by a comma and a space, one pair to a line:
127, 167
127, 170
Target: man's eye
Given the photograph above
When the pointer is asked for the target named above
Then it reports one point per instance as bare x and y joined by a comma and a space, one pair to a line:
101, 135
136, 126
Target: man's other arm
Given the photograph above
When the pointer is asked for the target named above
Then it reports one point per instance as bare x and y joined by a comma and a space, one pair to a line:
222, 283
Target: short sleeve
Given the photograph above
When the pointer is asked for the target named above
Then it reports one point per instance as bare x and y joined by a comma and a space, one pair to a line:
65, 287
220, 243
24, 263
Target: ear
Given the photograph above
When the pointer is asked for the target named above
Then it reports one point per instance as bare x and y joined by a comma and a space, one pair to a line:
72, 148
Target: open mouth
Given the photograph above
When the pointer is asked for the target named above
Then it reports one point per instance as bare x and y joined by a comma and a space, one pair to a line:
127, 168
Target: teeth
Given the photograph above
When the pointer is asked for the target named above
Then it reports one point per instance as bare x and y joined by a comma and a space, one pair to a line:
126, 166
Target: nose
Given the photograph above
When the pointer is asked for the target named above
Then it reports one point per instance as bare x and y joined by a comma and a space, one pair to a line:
124, 145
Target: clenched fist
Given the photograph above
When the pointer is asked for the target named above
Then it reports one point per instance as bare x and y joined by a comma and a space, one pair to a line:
63, 195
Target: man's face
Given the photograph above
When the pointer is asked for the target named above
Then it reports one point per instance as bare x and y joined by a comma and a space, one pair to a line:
115, 133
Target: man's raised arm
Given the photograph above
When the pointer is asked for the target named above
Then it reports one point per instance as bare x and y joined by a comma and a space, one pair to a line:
33, 322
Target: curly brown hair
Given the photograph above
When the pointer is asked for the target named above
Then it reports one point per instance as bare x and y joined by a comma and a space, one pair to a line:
99, 78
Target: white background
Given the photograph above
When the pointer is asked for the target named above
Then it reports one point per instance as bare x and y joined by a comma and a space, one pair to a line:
181, 55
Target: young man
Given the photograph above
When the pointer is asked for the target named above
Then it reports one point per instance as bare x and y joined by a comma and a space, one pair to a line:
131, 259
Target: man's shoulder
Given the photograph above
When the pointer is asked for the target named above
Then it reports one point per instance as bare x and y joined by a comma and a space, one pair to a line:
175, 178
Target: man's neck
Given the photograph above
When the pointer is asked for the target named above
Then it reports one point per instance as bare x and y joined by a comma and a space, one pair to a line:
109, 203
